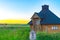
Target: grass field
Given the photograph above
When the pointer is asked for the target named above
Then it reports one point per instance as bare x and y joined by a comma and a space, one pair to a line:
22, 33
14, 33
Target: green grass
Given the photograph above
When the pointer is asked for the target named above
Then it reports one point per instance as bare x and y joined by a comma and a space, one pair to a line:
22, 33
48, 36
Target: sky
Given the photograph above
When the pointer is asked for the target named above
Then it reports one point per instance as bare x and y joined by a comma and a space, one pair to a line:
24, 9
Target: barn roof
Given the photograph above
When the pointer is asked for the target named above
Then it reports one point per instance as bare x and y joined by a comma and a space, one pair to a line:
47, 16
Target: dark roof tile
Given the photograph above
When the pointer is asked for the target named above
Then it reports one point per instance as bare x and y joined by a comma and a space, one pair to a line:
48, 17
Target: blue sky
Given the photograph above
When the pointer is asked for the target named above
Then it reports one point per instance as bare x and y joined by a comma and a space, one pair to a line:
24, 9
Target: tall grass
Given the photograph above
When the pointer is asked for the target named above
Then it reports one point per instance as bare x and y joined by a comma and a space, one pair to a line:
48, 36
22, 33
